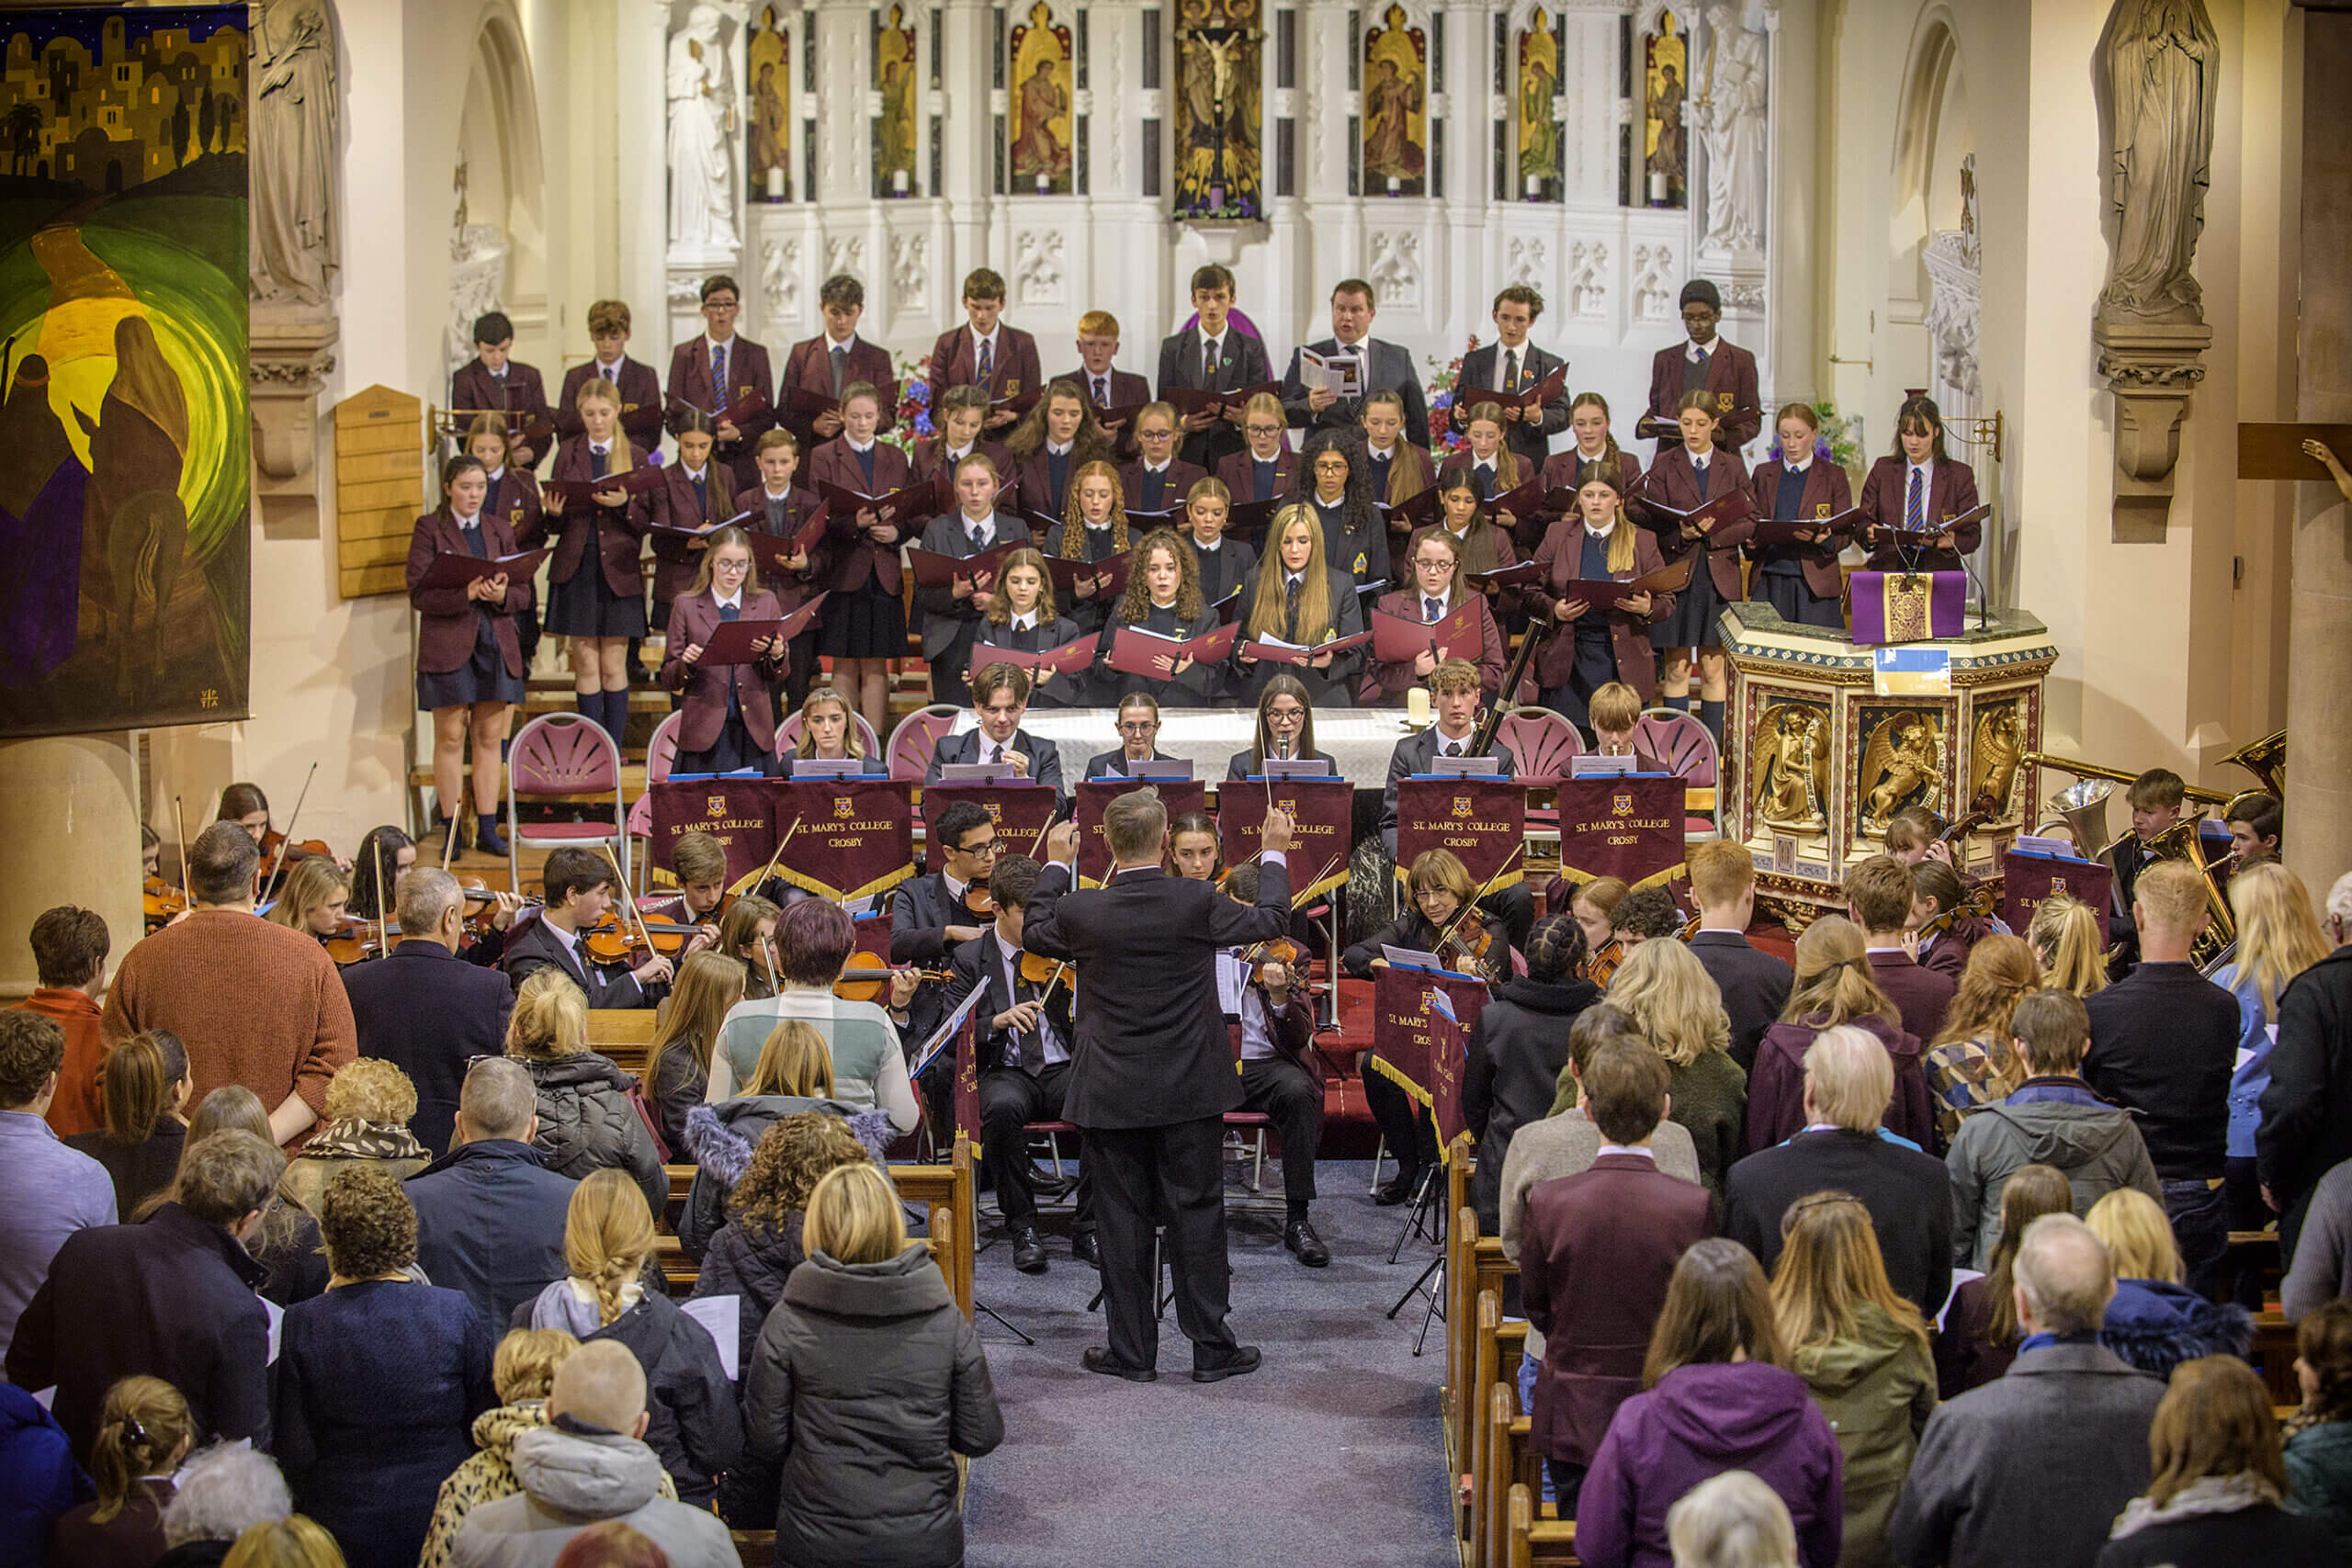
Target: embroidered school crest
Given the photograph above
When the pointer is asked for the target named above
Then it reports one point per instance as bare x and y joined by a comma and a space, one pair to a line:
2057, 888
1622, 804
1288, 807
844, 807
714, 805
996, 811
1723, 401
1462, 806
1821, 509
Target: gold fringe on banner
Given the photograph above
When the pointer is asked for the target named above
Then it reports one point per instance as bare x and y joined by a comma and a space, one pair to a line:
1380, 1064
810, 884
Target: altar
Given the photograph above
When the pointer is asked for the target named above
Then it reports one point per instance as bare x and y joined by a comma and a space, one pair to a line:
1823, 748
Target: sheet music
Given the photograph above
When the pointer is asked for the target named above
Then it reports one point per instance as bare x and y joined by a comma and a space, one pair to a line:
723, 1316
1340, 373
946, 1031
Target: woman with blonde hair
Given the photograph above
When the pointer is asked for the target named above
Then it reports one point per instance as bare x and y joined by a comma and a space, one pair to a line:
2154, 1322
1163, 598
869, 1385
758, 1248
144, 1431
1300, 599
746, 934
1833, 986
313, 898
2279, 938
369, 1105
2217, 1482
295, 1541
595, 586
2064, 934
1863, 1352
829, 731
1974, 1061
678, 1069
610, 1293
588, 1119
795, 1074
1668, 993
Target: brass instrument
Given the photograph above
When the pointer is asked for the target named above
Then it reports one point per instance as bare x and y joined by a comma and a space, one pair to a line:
2082, 770
2081, 809
2182, 841
2267, 760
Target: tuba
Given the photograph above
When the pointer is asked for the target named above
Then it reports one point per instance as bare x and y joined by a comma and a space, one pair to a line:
2083, 770
2182, 841
2081, 808
2267, 760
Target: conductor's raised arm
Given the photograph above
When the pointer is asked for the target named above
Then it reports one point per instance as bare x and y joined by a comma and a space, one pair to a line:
1041, 930
1231, 924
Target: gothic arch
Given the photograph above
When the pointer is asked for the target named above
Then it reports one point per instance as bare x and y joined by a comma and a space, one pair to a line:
1933, 133
498, 137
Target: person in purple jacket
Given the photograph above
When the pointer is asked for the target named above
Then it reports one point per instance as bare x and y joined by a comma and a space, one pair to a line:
1717, 1396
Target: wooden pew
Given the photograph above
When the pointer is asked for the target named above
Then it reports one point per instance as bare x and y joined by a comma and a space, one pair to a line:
1534, 1540
1501, 1347
626, 1034
2274, 1356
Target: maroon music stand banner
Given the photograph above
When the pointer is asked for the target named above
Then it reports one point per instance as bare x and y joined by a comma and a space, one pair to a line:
2028, 879
870, 932
1179, 795
968, 1085
1482, 821
1022, 813
846, 837
1628, 828
1907, 606
739, 813
1415, 1045
1324, 810
1449, 1060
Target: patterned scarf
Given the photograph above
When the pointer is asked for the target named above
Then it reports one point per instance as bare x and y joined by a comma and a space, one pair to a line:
353, 1139
2206, 1494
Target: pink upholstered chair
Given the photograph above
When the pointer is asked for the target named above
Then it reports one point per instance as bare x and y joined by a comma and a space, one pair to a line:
1689, 752
564, 754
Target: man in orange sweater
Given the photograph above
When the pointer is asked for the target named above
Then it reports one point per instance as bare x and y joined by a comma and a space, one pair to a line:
255, 1004
70, 947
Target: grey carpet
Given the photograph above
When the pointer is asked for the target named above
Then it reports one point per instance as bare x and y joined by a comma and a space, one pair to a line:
1329, 1455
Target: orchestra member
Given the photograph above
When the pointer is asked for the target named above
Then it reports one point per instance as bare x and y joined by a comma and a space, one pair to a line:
1213, 355
1281, 1076
578, 885
384, 856
953, 615
1158, 480
1022, 616
1285, 731
1802, 581
1163, 597
1056, 438
1685, 478
1226, 566
1337, 493
699, 863
1589, 424
985, 353
1105, 386
1194, 849
1397, 469
595, 589
2257, 824
1616, 712
1434, 594
1494, 469
494, 382
779, 508
1707, 364
833, 361
1094, 528
720, 367
863, 623
313, 898
747, 934
1605, 645
1138, 720
1300, 601
1000, 701
934, 913
1456, 704
1917, 487
632, 381
469, 669
2155, 799
1382, 366
1511, 364
828, 730
1266, 467
699, 492
727, 719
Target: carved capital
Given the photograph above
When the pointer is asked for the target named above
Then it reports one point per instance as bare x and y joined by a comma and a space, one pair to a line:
289, 359
2152, 368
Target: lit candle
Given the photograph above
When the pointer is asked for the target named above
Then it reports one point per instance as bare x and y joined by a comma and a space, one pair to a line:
1417, 705
776, 185
1395, 184
1535, 187
1045, 185
1658, 191
898, 182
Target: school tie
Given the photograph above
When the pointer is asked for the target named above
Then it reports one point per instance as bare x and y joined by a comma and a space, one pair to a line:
599, 462
1262, 479
498, 384
1290, 607
1915, 506
1208, 363
1484, 478
1510, 371
612, 375
980, 538
1701, 361
719, 374
734, 701
841, 368
702, 494
1101, 392
1429, 608
987, 361
1453, 748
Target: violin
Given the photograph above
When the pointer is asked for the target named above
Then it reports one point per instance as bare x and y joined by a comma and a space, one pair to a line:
866, 977
277, 852
1469, 943
1978, 903
359, 939
1603, 961
1036, 969
1292, 955
610, 941
166, 903
980, 903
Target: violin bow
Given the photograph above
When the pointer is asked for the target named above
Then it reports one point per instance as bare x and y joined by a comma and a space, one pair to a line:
1484, 888
383, 902
769, 870
179, 831
628, 900
294, 816
1307, 889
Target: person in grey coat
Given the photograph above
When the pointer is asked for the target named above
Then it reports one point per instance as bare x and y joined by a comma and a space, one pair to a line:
586, 1465
2034, 1466
2052, 1119
587, 1121
867, 1383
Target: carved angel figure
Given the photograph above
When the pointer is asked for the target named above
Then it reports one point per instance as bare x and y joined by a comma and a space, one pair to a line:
1901, 766
1791, 769
1996, 750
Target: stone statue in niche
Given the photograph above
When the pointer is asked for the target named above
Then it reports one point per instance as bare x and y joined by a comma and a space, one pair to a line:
702, 133
1666, 150
1217, 129
1538, 84
1041, 105
476, 272
768, 67
2163, 68
1732, 131
894, 132
290, 245
1396, 107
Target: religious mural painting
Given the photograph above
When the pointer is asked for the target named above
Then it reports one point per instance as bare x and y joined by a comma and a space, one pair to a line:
767, 78
124, 277
897, 128
1666, 138
1042, 100
1396, 107
1538, 90
1218, 128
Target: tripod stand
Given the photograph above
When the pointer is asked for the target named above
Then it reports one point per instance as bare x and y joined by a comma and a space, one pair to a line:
1432, 1278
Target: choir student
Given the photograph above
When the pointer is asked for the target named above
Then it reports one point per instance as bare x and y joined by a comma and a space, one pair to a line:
1434, 594
1481, 544
1021, 615
595, 590
1494, 469
1589, 424
1300, 601
833, 361
1599, 645
470, 667
863, 624
1163, 596
1918, 489
632, 381
985, 353
1107, 388
1802, 581
1226, 566
779, 508
698, 492
1158, 480
512, 494
717, 368
958, 417
1334, 489
1689, 476
1397, 469
1212, 356
1266, 467
951, 614
1094, 528
1511, 364
729, 719
1707, 364
1052, 441
495, 382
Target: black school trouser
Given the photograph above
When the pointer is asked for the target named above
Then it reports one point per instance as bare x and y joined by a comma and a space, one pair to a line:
1287, 1094
1172, 1175
1009, 1101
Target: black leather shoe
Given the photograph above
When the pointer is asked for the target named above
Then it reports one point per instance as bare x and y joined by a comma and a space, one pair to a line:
1240, 1361
1397, 1192
1046, 1184
1299, 1236
1028, 1252
1086, 1249
1099, 1360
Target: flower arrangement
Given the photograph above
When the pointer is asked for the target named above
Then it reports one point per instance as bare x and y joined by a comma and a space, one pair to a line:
912, 422
1840, 440
1439, 394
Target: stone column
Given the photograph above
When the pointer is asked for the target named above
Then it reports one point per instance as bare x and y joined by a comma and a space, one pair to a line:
2319, 633
81, 792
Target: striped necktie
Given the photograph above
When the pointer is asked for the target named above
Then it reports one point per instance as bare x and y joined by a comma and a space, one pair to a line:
1915, 506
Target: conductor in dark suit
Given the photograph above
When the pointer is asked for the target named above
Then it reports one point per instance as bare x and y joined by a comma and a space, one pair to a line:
427, 1010
1153, 1076
1386, 367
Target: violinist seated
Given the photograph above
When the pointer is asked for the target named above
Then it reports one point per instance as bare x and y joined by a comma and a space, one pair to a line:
1440, 888
1282, 1078
827, 735
579, 887
313, 898
1022, 1051
1138, 739
699, 863
728, 720
1646, 914
244, 804
1001, 700
932, 914
1946, 919
1454, 698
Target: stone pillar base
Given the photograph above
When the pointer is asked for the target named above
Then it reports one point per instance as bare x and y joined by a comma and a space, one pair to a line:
73, 802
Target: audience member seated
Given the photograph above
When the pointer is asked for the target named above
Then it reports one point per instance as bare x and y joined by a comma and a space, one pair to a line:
490, 1215
813, 941
1878, 898
378, 1381
70, 946
2306, 1130
2064, 937
221, 1492
1861, 1349
1519, 1048
587, 1464
287, 1245
143, 1434
2052, 1119
611, 1544
1980, 1329
1971, 1064
1754, 985
1847, 1081
369, 1105
867, 1384
40, 1483
2321, 1269
294, 1541
2163, 1042
1833, 988
586, 1119
257, 1004
795, 1074
144, 1097
2215, 1497
1664, 988
52, 1191
677, 1070
2034, 1466
172, 1297
2154, 1323
607, 1237
426, 1010
2319, 1434
1717, 1395
1597, 1250
1731, 1521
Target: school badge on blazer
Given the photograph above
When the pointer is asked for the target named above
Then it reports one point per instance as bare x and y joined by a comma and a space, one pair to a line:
844, 807
1723, 401
1821, 510
1462, 806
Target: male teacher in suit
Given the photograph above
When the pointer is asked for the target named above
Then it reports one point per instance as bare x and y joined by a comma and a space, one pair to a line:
1386, 367
1152, 1076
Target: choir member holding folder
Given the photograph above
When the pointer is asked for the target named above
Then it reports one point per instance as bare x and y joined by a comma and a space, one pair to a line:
1158, 480
513, 495
1147, 647
1480, 545
698, 496
959, 417
1682, 481
787, 525
819, 369
1094, 528
1266, 467
951, 611
1495, 471
1052, 441
595, 590
1726, 372
1421, 626
1602, 643
1336, 491
1022, 618
864, 624
1799, 577
1589, 422
1226, 566
1914, 499
1532, 382
729, 715
469, 658
1300, 601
